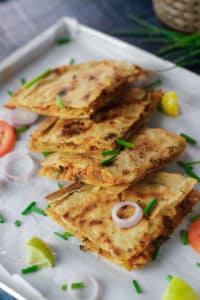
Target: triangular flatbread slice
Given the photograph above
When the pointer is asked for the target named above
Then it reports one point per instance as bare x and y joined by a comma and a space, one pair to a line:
98, 134
85, 211
154, 148
83, 88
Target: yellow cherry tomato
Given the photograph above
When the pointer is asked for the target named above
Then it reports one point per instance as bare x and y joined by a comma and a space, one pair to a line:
169, 104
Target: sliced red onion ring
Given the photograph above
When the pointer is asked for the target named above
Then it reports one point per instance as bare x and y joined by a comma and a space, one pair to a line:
131, 221
22, 117
89, 292
18, 167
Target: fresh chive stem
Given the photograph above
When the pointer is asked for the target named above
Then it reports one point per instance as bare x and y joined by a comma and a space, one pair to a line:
23, 81
188, 169
124, 143
60, 103
153, 84
191, 163
64, 287
61, 235
155, 254
2, 220
112, 151
72, 61
107, 161
63, 41
150, 206
38, 211
17, 223
60, 186
169, 277
30, 269
21, 129
10, 93
189, 139
198, 264
184, 237
28, 208
68, 234
77, 285
45, 154
37, 78
137, 287
194, 218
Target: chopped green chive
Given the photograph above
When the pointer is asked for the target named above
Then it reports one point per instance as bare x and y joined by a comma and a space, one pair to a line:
107, 161
150, 206
45, 154
124, 143
28, 208
2, 219
184, 237
38, 211
198, 264
64, 287
189, 139
63, 41
169, 277
137, 287
30, 269
36, 79
10, 93
23, 81
21, 129
155, 254
72, 61
64, 235
188, 169
17, 223
48, 206
153, 84
60, 186
77, 285
197, 162
194, 218
60, 103
108, 152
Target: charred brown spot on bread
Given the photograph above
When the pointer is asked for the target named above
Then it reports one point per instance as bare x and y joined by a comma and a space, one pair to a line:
86, 96
95, 222
91, 77
63, 92
74, 127
110, 136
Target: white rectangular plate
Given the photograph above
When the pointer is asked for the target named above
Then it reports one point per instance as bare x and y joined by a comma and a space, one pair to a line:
114, 282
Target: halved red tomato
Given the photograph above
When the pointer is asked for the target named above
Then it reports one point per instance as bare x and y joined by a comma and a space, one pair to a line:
194, 235
7, 138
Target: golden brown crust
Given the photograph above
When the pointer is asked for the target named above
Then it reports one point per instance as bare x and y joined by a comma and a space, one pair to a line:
154, 148
135, 107
83, 88
86, 213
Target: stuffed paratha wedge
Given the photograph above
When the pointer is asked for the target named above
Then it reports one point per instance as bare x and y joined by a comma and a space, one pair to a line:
85, 211
82, 89
154, 148
135, 107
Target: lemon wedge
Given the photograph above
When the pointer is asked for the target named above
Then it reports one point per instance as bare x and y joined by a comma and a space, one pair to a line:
169, 104
179, 290
39, 253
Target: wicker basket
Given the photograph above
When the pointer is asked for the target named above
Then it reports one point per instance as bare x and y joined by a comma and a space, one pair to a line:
182, 15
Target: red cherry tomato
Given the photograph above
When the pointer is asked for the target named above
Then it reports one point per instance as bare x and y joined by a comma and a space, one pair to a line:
7, 138
194, 235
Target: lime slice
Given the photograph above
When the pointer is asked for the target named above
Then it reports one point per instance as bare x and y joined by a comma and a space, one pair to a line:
39, 253
179, 290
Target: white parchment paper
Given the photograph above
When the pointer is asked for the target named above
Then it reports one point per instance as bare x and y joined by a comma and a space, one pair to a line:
115, 283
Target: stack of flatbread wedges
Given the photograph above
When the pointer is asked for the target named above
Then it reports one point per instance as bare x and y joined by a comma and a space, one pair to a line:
100, 104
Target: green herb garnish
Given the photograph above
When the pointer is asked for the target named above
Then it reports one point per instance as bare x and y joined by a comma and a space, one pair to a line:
72, 61
21, 129
124, 143
63, 41
107, 161
189, 139
36, 79
10, 93
169, 277
108, 152
194, 218
45, 154
23, 81
150, 206
2, 219
188, 169
64, 235
155, 254
191, 163
198, 264
30, 269
17, 223
64, 287
184, 237
77, 285
153, 84
60, 103
48, 206
28, 209
60, 186
137, 287
38, 211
